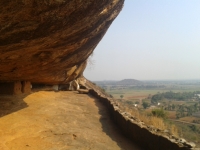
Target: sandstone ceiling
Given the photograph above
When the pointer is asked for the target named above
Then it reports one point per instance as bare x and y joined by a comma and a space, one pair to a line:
49, 41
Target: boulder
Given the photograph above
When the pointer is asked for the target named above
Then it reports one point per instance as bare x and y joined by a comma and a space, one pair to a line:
49, 41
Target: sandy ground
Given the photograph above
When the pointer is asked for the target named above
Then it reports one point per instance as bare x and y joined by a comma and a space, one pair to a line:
64, 120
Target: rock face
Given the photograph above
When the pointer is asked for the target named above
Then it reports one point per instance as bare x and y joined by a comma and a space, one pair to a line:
49, 41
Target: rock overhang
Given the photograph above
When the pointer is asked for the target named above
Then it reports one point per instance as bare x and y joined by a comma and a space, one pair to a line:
49, 41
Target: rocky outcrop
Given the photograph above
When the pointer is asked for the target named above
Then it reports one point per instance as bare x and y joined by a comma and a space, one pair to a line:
49, 41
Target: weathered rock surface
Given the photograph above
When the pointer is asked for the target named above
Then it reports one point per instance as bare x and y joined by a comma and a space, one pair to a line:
58, 121
49, 41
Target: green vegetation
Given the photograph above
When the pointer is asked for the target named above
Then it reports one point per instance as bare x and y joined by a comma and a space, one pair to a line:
129, 102
137, 102
159, 113
184, 110
174, 96
194, 128
145, 105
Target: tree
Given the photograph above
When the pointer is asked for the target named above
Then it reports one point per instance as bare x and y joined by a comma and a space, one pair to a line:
195, 107
173, 107
145, 105
137, 102
90, 62
189, 110
121, 96
156, 98
180, 111
129, 102
159, 113
194, 128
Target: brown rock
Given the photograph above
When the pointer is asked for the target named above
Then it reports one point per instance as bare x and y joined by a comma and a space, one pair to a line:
190, 144
83, 91
49, 41
26, 86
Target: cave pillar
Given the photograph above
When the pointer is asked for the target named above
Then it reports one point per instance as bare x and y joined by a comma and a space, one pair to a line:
17, 87
26, 86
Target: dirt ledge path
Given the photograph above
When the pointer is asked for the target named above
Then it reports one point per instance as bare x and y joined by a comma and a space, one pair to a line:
59, 121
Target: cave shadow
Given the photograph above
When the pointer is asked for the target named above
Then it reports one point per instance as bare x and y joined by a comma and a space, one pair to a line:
12, 103
111, 129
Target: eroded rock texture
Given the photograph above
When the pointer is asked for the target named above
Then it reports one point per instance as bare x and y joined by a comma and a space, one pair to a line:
49, 41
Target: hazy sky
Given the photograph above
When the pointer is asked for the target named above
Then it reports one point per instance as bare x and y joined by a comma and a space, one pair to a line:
150, 39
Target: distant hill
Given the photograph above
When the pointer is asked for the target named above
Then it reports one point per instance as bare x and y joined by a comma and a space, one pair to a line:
129, 82
122, 82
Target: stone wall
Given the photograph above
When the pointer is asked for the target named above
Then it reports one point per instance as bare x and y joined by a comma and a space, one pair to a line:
148, 137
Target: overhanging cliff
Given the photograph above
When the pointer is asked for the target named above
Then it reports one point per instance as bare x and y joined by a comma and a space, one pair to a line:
49, 41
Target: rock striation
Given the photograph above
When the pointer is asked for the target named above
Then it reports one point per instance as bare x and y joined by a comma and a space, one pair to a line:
49, 41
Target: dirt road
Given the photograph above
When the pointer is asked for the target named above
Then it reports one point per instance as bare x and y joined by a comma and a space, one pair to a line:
184, 122
48, 120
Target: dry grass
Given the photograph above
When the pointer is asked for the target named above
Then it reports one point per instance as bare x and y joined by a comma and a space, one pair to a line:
148, 120
151, 120
171, 114
174, 130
